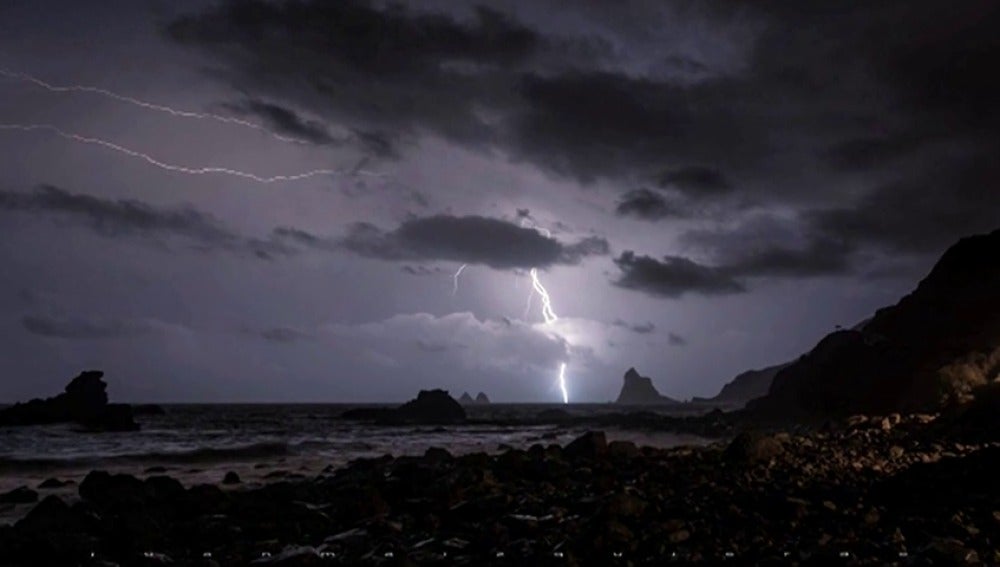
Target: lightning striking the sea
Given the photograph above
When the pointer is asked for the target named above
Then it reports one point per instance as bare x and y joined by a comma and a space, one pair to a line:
24, 77
180, 168
550, 317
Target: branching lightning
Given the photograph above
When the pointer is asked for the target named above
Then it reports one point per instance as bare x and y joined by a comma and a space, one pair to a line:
550, 317
454, 291
179, 168
144, 104
547, 313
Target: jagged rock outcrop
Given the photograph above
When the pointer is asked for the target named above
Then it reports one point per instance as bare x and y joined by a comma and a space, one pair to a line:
482, 399
466, 399
431, 406
85, 402
746, 386
934, 347
639, 390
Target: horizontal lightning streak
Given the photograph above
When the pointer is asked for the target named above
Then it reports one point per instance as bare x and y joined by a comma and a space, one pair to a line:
145, 104
179, 168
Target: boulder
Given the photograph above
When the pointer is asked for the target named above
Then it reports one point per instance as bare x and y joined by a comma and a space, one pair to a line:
231, 478
590, 445
84, 402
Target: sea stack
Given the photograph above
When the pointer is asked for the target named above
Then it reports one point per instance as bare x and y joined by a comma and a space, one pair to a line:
482, 399
85, 402
639, 390
465, 399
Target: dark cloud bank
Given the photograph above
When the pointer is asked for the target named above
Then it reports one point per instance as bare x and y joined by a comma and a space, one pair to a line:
874, 123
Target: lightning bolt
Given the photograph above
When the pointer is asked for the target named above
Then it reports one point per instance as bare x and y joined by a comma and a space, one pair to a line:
179, 168
547, 313
550, 317
454, 291
144, 104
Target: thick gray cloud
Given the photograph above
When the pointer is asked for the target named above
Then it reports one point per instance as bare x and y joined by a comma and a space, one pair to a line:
89, 328
284, 121
672, 277
695, 180
469, 240
868, 90
646, 205
129, 218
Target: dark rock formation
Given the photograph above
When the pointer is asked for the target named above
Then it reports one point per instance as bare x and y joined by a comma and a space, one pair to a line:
20, 495
747, 386
231, 478
638, 390
932, 348
482, 399
431, 406
50, 483
84, 402
465, 399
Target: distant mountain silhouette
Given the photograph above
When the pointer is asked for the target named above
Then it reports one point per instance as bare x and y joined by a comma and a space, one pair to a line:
482, 399
746, 386
639, 390
934, 347
465, 399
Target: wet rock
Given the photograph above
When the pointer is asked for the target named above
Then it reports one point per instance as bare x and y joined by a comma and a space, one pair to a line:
231, 478
750, 447
590, 445
20, 495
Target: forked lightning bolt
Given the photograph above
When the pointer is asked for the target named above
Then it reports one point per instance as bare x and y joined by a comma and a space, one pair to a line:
550, 317
179, 168
144, 104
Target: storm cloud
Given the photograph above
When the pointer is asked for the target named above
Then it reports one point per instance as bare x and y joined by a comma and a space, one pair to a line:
469, 240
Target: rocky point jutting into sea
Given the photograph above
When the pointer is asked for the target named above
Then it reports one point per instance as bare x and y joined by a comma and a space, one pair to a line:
880, 446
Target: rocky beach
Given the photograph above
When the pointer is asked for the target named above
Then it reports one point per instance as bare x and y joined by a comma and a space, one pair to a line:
915, 489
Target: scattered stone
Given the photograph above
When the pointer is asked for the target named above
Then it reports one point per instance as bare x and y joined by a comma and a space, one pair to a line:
750, 447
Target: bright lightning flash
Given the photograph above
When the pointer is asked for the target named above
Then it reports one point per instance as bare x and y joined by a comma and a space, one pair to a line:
461, 269
142, 103
550, 317
177, 168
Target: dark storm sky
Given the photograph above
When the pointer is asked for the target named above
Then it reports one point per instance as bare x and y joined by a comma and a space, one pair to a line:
704, 187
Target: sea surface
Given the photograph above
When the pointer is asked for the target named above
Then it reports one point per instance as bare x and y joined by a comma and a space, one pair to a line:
262, 443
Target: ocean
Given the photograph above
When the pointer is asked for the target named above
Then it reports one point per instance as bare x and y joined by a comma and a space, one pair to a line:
264, 443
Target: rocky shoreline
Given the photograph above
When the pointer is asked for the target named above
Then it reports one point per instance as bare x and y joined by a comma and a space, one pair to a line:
892, 490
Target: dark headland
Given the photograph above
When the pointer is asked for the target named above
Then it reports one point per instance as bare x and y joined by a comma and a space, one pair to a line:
879, 446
